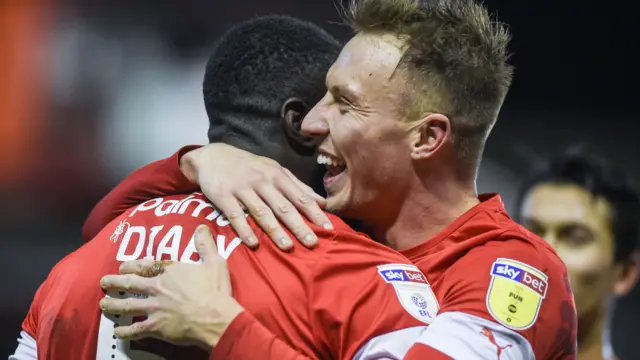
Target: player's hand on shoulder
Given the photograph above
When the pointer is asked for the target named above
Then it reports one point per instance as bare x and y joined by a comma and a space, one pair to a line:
232, 179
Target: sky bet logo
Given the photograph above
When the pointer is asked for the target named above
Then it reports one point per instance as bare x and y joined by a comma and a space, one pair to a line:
520, 275
392, 275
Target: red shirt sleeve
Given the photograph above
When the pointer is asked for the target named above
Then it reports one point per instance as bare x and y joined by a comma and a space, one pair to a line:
253, 338
160, 178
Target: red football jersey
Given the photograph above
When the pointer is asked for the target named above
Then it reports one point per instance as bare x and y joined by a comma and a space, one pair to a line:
502, 292
324, 303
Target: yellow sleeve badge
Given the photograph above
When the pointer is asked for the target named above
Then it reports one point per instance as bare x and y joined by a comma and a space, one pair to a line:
515, 293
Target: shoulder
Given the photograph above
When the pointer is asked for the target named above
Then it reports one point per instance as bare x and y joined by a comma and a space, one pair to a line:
341, 246
43, 296
519, 282
78, 267
350, 250
514, 247
343, 240
67, 263
516, 266
366, 272
375, 300
519, 250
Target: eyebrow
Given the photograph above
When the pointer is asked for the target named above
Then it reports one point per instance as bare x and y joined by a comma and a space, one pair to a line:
345, 91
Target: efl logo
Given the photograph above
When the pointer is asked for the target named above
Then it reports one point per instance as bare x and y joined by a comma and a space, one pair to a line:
391, 275
518, 274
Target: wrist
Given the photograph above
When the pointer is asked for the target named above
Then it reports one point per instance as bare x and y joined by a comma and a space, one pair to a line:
188, 165
216, 324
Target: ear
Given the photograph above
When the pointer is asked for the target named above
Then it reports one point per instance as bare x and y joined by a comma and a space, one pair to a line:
431, 133
292, 113
627, 276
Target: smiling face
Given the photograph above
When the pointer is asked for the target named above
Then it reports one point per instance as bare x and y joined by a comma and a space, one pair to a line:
365, 142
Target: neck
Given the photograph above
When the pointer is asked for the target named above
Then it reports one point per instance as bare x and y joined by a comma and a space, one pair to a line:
590, 335
427, 207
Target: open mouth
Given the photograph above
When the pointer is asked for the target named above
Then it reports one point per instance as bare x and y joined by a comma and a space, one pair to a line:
336, 168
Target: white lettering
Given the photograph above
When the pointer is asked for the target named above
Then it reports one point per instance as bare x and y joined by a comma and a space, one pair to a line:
124, 244
165, 208
535, 283
185, 205
135, 238
225, 251
170, 244
176, 208
394, 275
509, 271
152, 240
415, 276
147, 205
190, 251
201, 206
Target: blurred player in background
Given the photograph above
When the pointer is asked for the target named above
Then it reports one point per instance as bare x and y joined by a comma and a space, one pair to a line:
587, 210
411, 100
256, 87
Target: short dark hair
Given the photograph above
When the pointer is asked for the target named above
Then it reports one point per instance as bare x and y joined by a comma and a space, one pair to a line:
455, 60
601, 179
259, 64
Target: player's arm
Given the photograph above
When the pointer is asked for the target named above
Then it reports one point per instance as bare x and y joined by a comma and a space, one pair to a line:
230, 178
503, 300
160, 178
246, 336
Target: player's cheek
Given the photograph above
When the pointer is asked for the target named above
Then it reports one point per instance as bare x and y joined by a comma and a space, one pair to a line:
590, 277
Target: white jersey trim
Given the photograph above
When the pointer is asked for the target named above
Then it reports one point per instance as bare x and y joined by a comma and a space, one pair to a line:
27, 348
466, 337
392, 346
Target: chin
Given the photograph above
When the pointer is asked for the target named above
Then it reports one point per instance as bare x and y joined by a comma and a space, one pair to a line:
589, 307
338, 204
334, 205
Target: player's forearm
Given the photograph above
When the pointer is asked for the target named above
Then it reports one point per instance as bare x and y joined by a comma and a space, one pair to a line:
160, 178
247, 339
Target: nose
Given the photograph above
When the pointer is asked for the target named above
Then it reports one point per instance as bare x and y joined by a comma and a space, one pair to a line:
315, 123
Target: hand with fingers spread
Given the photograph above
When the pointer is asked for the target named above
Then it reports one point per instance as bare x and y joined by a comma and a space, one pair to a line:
232, 179
184, 303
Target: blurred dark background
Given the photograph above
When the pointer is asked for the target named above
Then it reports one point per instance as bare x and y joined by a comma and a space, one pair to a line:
90, 90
